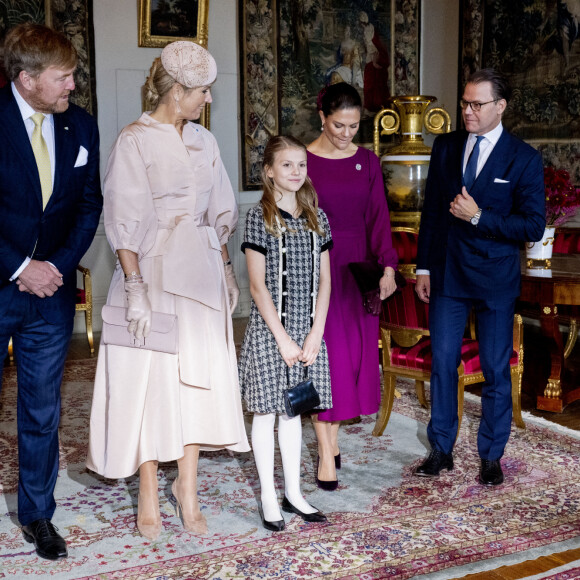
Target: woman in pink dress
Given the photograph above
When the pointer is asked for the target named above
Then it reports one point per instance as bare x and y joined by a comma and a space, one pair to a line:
349, 183
169, 212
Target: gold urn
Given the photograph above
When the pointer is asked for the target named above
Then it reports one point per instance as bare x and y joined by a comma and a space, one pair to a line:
405, 165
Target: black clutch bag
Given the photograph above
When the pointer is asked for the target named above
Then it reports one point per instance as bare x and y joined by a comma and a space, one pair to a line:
301, 398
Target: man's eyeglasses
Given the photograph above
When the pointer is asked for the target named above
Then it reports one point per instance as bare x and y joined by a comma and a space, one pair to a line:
475, 106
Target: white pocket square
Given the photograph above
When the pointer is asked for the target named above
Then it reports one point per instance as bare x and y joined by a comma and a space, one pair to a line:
82, 157
497, 180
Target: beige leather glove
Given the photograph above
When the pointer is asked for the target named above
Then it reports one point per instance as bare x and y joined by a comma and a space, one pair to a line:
233, 290
139, 312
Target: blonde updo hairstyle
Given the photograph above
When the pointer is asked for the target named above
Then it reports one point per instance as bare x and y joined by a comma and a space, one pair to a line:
158, 84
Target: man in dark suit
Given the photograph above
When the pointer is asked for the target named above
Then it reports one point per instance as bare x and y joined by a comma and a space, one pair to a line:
484, 197
50, 204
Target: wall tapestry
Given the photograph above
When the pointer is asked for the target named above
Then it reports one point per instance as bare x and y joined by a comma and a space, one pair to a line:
536, 44
75, 19
290, 49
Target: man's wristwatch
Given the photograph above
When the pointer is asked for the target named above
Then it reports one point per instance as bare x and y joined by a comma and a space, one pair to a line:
475, 219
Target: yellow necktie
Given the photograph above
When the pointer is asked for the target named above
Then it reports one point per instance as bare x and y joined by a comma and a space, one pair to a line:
42, 158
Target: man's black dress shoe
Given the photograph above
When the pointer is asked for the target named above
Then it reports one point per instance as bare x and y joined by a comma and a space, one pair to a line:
48, 542
436, 461
276, 526
491, 473
316, 517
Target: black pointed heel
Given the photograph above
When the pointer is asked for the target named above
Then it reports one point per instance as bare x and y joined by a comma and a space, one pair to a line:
316, 517
322, 484
277, 526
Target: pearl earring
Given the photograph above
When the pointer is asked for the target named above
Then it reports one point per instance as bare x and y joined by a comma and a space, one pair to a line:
322, 128
177, 107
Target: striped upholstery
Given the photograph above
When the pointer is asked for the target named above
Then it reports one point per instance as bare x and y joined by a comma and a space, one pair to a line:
406, 352
405, 310
419, 357
405, 242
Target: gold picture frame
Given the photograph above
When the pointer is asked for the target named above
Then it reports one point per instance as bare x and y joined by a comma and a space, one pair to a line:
161, 22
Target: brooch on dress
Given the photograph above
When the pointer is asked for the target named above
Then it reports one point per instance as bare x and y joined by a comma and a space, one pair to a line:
358, 166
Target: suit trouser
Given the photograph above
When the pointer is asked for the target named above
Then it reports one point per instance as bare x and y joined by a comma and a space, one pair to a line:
447, 320
40, 351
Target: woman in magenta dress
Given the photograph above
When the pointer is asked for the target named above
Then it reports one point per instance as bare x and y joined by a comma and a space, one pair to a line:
349, 183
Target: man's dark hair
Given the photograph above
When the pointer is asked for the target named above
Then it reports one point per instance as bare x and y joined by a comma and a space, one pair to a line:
500, 87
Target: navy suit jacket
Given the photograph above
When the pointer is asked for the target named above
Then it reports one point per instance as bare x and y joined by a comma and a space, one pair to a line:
62, 233
481, 262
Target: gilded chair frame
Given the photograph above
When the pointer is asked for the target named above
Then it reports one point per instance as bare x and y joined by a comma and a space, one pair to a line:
86, 307
410, 337
408, 270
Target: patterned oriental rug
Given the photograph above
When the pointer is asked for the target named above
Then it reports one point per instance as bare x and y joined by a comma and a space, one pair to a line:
383, 522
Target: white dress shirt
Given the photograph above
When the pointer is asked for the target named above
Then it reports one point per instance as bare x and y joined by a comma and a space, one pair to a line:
486, 146
47, 132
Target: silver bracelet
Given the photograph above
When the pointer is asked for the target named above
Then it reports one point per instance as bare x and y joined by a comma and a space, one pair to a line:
227, 262
133, 277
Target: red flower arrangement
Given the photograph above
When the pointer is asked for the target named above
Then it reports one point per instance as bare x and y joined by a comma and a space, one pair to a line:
562, 198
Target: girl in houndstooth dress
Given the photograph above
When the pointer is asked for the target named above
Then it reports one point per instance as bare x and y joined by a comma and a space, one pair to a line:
286, 243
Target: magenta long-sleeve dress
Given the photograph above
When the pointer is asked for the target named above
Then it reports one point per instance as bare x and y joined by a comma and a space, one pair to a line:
351, 192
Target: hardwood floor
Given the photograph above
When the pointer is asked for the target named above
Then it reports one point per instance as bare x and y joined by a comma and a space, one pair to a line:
529, 568
79, 349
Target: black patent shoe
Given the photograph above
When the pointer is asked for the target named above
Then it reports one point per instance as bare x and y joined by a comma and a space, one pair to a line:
436, 461
331, 485
276, 526
337, 461
316, 517
491, 473
48, 542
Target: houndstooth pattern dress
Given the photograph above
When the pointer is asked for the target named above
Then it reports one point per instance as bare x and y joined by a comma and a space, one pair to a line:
292, 280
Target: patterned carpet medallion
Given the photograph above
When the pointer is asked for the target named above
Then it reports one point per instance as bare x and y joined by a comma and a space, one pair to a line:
383, 522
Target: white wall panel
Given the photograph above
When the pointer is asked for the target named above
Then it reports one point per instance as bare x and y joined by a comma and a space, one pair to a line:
122, 66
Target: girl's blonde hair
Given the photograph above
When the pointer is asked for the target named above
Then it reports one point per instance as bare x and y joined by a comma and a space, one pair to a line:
306, 198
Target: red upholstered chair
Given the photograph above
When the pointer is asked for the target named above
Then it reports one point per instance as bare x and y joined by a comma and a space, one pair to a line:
404, 323
84, 303
405, 242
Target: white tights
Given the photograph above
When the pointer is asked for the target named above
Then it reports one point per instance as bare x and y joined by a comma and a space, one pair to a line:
290, 442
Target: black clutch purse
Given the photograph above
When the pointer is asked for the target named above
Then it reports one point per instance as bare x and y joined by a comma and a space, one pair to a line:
301, 398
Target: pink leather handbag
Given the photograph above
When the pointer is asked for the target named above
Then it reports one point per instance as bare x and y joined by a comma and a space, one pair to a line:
162, 338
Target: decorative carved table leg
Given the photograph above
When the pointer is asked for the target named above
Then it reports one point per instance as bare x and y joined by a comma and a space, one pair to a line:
552, 397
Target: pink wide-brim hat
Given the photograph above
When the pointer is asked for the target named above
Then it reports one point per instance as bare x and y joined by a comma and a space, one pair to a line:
189, 64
